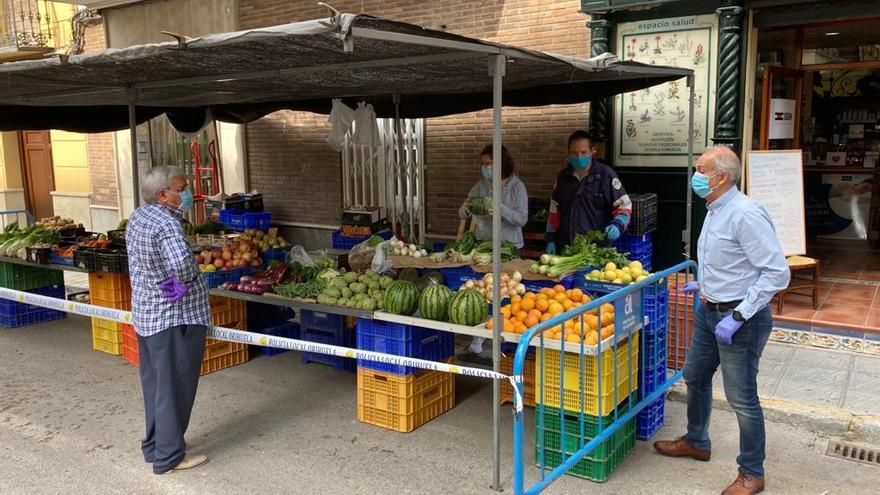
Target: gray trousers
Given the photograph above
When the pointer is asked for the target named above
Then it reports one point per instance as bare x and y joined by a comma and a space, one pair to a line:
169, 367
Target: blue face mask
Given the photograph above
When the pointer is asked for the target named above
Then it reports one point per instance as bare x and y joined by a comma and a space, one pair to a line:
186, 200
700, 184
487, 172
580, 162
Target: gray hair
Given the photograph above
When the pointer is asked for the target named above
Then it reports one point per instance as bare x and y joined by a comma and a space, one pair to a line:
157, 179
725, 160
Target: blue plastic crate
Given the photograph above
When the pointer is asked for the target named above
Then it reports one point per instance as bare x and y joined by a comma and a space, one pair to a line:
341, 241
402, 340
286, 330
238, 221
61, 260
327, 322
260, 316
635, 244
655, 301
650, 379
15, 314
215, 279
275, 254
653, 349
342, 338
456, 277
650, 419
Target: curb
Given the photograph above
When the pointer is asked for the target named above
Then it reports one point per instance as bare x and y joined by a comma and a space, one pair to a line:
829, 422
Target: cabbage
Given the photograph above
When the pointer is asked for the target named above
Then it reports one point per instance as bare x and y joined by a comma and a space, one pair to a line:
480, 206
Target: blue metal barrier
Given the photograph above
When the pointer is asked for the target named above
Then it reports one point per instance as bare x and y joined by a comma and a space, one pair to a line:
622, 411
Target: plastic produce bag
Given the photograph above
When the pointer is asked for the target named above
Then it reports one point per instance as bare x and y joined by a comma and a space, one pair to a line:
299, 255
381, 262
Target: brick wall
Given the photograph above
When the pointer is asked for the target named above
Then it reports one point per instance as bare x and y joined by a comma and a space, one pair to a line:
102, 157
291, 145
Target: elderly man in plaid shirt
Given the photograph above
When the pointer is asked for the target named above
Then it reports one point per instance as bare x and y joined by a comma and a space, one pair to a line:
171, 316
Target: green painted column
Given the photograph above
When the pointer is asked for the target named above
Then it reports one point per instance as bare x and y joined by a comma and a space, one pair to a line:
728, 106
600, 33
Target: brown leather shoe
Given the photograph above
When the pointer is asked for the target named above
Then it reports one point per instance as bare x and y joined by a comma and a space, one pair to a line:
681, 448
745, 484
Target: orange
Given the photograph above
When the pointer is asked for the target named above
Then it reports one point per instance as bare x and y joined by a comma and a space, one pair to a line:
505, 311
490, 324
527, 304
567, 305
556, 308
529, 295
607, 331
586, 299
537, 314
508, 326
542, 305
607, 318
559, 289
608, 308
520, 328
521, 316
573, 338
516, 298
561, 297
557, 336
592, 321
515, 308
532, 320
547, 291
546, 317
576, 295
591, 338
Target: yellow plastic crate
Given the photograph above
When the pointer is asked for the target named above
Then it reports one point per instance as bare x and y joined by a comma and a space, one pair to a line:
109, 331
215, 348
593, 403
228, 312
403, 402
224, 361
110, 290
528, 380
114, 348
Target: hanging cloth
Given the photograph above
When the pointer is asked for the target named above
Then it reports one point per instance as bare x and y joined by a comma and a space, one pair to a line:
366, 130
341, 117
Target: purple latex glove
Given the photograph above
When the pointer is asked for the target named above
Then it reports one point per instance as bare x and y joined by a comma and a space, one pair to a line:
173, 289
690, 287
726, 328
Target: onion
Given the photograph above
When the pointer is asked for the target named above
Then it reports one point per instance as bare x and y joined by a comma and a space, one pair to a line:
520, 289
517, 276
470, 284
417, 254
511, 284
246, 278
505, 277
488, 278
424, 252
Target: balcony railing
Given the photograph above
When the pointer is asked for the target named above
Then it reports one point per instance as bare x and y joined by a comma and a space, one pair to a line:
33, 28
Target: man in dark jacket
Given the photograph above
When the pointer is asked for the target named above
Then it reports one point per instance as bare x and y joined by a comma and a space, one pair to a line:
587, 196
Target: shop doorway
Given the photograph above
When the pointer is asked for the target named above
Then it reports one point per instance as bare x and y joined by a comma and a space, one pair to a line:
826, 77
37, 172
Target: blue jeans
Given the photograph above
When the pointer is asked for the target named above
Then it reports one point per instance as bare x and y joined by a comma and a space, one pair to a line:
739, 368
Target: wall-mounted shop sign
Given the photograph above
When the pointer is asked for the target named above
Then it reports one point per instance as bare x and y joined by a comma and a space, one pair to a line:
651, 125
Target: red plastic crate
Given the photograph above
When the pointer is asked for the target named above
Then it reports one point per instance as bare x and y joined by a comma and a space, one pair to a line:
129, 344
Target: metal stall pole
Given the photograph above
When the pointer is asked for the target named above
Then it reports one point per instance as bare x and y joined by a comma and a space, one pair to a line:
399, 164
686, 236
496, 69
135, 173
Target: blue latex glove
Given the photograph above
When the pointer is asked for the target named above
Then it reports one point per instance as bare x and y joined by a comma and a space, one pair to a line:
726, 328
173, 289
551, 248
690, 287
612, 232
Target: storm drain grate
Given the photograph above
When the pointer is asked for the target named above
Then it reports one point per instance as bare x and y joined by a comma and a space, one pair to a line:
852, 452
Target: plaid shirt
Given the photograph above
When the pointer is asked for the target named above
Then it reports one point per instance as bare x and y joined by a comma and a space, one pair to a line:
157, 250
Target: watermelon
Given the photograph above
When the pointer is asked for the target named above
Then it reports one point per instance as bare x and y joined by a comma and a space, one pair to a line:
402, 298
434, 302
468, 307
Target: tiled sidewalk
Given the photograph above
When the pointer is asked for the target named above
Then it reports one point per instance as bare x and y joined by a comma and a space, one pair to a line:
818, 377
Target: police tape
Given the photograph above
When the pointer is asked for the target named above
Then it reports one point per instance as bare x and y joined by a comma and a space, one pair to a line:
242, 336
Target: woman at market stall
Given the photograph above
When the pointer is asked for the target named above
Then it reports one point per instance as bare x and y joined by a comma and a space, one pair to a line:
514, 207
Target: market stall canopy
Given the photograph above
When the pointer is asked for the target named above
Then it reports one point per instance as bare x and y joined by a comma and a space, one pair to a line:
239, 77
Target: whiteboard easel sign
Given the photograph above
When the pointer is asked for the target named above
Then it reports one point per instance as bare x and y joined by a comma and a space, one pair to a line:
782, 118
775, 179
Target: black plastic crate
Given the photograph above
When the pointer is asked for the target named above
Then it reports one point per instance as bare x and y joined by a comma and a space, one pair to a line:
85, 258
111, 261
644, 216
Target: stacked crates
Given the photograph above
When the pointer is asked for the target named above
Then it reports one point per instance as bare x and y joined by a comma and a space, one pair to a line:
271, 320
681, 323
639, 247
601, 461
331, 329
397, 397
653, 366
15, 314
220, 354
560, 400
109, 290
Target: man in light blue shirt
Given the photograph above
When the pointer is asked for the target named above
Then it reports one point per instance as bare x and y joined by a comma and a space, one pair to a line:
741, 268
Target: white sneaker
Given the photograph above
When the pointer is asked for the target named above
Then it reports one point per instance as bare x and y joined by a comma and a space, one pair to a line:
189, 462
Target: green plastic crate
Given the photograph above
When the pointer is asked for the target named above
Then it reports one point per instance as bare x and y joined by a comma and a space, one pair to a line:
572, 420
598, 470
552, 440
21, 277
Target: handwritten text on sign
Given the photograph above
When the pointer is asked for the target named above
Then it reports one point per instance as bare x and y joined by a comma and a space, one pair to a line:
775, 180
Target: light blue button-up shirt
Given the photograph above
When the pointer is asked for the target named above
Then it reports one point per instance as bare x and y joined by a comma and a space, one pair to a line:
514, 210
740, 256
